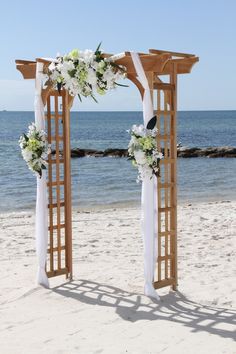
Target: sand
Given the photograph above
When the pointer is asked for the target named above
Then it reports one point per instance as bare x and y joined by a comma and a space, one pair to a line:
103, 309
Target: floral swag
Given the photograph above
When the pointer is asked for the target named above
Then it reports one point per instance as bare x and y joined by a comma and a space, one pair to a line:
143, 151
85, 73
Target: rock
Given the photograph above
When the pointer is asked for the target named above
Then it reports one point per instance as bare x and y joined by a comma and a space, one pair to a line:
211, 152
77, 153
116, 152
188, 152
85, 152
182, 151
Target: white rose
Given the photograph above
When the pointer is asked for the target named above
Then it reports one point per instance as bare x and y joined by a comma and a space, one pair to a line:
139, 130
140, 157
27, 155
87, 55
91, 77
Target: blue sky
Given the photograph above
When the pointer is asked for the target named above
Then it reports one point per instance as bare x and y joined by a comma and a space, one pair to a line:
205, 28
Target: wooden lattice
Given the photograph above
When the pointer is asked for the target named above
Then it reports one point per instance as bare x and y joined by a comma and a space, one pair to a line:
166, 194
156, 64
59, 194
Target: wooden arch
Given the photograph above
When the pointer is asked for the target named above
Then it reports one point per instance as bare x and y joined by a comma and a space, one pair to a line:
156, 63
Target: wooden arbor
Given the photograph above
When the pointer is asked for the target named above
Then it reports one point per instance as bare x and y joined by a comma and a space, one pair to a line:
156, 63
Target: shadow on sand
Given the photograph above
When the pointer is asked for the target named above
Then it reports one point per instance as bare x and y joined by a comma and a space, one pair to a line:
174, 307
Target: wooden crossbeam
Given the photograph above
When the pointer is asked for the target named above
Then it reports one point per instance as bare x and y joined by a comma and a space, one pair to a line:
158, 61
175, 54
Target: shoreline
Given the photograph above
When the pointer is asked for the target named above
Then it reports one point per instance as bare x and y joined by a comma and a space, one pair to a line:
122, 205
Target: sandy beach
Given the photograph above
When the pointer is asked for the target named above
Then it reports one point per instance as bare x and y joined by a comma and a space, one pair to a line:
103, 310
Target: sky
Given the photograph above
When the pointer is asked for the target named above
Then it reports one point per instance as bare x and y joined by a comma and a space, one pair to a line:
30, 29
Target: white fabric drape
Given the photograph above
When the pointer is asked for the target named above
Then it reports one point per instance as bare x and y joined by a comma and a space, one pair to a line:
41, 203
149, 194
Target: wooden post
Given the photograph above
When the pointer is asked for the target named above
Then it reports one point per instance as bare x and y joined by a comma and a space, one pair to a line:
173, 153
59, 181
67, 174
166, 193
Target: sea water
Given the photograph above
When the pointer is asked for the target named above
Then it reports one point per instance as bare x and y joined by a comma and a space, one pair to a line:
112, 181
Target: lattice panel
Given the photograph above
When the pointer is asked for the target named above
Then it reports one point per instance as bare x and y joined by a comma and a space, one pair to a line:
167, 225
59, 247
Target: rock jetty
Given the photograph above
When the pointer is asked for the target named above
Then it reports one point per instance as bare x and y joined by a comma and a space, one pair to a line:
183, 151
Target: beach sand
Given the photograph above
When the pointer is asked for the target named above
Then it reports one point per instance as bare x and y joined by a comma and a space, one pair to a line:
103, 309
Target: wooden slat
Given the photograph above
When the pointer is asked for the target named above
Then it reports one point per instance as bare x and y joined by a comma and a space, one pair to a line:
57, 138
162, 112
165, 185
163, 283
55, 93
163, 86
50, 194
24, 62
54, 205
165, 137
54, 161
55, 273
59, 116
173, 154
167, 161
56, 227
163, 210
165, 258
55, 249
55, 183
158, 189
176, 54
165, 233
183, 66
66, 102
58, 192
166, 190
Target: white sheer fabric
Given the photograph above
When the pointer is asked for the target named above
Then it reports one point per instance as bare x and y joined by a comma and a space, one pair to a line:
149, 193
41, 203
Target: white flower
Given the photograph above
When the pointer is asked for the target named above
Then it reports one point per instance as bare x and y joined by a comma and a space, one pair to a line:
140, 157
139, 130
84, 73
143, 151
87, 55
91, 77
27, 155
35, 149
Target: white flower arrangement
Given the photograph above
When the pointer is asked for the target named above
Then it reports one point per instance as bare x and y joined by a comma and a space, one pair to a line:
84, 73
143, 152
35, 149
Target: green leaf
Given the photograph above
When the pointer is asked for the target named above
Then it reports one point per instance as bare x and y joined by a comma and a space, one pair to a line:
25, 136
94, 98
97, 51
152, 123
44, 167
79, 97
72, 73
117, 66
116, 83
59, 86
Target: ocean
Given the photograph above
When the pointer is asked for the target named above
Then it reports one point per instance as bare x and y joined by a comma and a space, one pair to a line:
112, 181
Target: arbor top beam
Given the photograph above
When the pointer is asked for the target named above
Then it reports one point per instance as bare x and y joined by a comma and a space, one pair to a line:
160, 62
